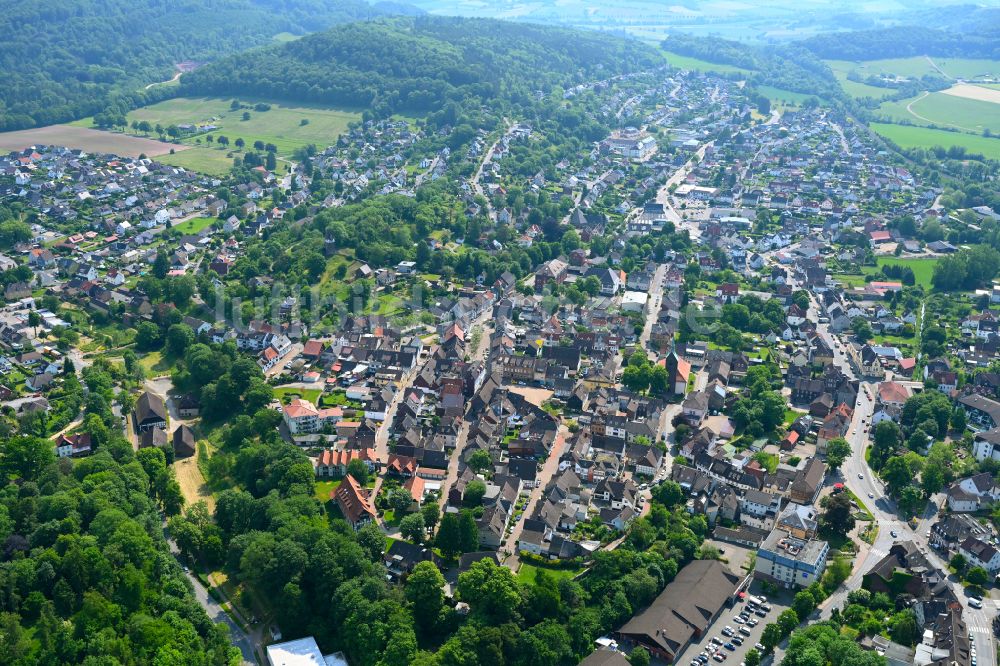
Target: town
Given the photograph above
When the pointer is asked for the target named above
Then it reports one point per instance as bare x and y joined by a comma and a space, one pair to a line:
524, 352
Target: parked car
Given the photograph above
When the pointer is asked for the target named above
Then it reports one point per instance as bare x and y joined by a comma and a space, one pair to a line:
745, 631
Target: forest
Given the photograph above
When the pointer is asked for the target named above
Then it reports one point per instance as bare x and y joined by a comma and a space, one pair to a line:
904, 42
420, 64
66, 59
786, 66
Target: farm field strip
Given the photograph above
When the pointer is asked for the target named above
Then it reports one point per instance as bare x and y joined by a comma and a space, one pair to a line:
89, 140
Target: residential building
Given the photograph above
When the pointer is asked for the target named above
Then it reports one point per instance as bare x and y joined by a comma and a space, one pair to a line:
354, 503
150, 412
790, 562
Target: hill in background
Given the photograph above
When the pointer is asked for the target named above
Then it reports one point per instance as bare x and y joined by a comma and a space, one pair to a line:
66, 59
418, 64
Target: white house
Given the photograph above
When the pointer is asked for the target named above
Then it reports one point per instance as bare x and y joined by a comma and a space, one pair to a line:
980, 554
973, 493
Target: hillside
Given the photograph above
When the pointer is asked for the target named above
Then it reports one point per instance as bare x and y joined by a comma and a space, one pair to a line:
65, 59
786, 67
418, 64
907, 41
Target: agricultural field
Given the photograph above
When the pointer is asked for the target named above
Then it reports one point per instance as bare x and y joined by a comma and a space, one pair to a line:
287, 127
90, 140
782, 96
695, 64
907, 136
918, 66
946, 110
841, 68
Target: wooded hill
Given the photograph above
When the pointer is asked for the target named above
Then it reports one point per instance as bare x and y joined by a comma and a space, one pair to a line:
904, 42
66, 59
421, 63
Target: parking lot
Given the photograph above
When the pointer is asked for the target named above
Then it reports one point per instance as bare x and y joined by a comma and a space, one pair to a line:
727, 618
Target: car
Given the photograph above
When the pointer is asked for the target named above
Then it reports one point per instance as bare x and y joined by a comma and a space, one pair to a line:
861, 476
927, 534
745, 631
975, 602
186, 569
753, 622
727, 632
716, 640
759, 647
695, 662
893, 534
736, 640
719, 657
871, 495
767, 608
761, 613
739, 620
730, 647
703, 658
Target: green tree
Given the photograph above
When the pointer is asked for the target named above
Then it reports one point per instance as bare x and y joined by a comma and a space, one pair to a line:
449, 538
475, 490
837, 451
468, 532
27, 456
359, 470
424, 590
491, 591
771, 636
431, 513
639, 656
958, 562
399, 500
480, 460
787, 621
803, 604
862, 329
752, 657
897, 474
838, 515
977, 576
412, 527
161, 265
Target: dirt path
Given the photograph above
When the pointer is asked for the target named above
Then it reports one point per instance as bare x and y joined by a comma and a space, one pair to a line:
913, 113
192, 483
160, 83
938, 69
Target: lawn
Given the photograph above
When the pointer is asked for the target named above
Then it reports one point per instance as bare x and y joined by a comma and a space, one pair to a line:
211, 161
695, 64
324, 488
285, 394
923, 269
924, 137
937, 108
154, 364
526, 574
287, 126
194, 225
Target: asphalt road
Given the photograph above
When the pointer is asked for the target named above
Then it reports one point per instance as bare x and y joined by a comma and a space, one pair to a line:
868, 488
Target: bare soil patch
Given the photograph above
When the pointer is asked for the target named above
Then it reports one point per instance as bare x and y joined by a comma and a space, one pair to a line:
535, 396
969, 91
90, 140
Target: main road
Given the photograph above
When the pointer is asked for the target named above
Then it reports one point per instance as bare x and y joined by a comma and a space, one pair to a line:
868, 488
